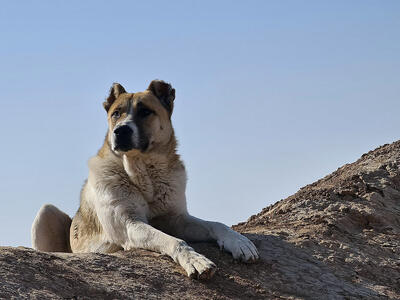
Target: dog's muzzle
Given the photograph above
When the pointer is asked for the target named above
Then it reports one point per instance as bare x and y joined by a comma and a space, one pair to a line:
123, 138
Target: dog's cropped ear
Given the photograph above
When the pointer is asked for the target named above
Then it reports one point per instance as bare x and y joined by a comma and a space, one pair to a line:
115, 91
164, 92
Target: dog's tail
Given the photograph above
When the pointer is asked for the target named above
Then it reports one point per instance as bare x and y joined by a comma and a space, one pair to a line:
50, 230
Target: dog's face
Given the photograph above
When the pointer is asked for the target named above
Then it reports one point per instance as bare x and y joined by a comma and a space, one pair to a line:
139, 121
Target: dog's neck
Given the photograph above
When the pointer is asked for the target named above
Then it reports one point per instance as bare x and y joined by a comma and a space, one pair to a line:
160, 152
150, 169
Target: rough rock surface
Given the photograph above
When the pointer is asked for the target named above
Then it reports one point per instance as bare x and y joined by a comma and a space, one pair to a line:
338, 238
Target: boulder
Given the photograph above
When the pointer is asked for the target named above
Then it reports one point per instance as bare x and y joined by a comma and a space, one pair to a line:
338, 238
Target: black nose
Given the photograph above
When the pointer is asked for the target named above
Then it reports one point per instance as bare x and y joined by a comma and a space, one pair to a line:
123, 131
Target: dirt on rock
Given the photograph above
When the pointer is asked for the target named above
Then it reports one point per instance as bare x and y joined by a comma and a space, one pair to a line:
338, 238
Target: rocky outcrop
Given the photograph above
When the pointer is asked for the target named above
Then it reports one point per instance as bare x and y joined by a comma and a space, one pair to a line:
338, 238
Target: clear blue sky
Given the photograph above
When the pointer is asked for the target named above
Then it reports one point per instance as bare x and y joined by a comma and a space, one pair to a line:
271, 95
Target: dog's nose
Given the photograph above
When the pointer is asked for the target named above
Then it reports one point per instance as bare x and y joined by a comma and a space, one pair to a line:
123, 131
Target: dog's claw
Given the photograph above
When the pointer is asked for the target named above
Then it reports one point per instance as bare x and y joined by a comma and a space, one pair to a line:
208, 274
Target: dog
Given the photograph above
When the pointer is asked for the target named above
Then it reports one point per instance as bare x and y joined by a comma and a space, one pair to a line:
134, 196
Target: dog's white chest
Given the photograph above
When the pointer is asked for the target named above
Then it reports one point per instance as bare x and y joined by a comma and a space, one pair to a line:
162, 188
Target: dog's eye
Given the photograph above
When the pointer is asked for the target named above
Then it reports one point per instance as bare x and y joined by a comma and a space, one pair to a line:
116, 114
144, 112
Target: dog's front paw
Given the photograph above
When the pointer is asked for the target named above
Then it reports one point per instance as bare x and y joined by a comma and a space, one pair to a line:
240, 247
195, 264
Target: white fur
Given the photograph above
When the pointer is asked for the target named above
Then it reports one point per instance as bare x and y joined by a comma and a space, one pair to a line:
125, 214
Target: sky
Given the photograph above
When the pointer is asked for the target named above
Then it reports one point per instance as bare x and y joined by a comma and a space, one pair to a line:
270, 95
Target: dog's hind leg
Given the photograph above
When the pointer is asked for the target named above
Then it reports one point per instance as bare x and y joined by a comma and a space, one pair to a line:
50, 230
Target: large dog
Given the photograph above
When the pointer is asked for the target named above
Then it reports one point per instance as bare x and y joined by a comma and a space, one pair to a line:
134, 196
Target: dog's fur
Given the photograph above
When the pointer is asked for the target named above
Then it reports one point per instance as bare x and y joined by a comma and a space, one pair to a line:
135, 193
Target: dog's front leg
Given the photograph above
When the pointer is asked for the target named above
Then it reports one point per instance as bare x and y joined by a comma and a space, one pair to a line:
142, 235
194, 229
124, 225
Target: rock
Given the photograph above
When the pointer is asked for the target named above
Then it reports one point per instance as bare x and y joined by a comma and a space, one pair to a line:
338, 238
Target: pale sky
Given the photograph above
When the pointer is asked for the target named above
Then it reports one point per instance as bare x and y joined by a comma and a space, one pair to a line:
270, 95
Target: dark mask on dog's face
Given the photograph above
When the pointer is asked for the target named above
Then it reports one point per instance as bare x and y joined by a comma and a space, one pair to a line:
139, 121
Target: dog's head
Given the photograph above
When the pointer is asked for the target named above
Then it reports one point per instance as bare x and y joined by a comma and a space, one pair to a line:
139, 121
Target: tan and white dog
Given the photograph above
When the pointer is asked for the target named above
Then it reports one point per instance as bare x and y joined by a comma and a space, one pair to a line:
134, 196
